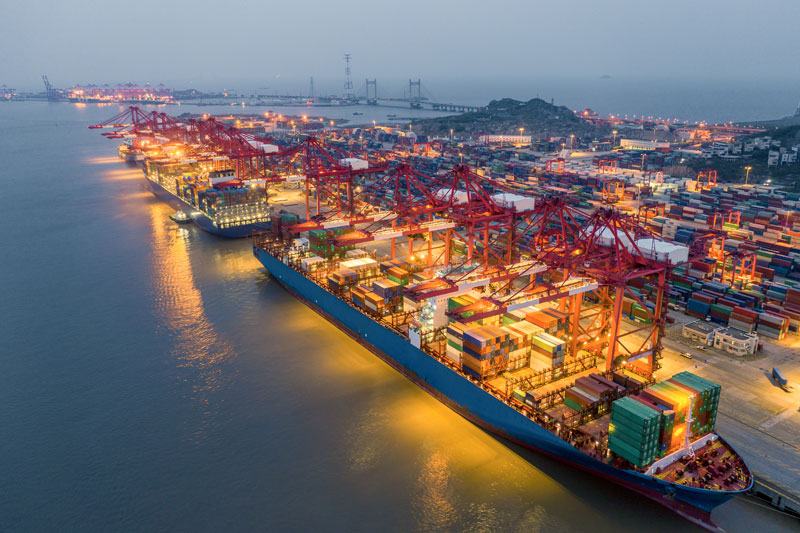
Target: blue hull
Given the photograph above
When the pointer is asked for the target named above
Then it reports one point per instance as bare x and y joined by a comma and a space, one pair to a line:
478, 405
201, 219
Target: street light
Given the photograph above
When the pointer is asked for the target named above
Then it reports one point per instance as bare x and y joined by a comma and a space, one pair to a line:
747, 173
614, 142
451, 134
571, 136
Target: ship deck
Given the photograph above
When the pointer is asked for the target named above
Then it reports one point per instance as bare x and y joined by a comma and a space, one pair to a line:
715, 467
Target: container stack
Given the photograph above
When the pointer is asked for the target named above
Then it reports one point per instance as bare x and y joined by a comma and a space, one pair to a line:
455, 341
394, 263
459, 301
486, 350
627, 379
311, 264
547, 351
321, 242
364, 265
512, 317
743, 319
702, 269
577, 398
546, 321
590, 389
390, 294
342, 279
706, 401
699, 305
773, 326
637, 312
355, 253
523, 332
720, 313
374, 304
673, 406
634, 431
399, 275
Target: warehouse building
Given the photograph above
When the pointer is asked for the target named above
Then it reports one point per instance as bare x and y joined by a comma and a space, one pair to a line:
735, 342
700, 331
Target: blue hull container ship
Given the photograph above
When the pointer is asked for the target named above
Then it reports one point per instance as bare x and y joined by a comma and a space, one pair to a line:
656, 439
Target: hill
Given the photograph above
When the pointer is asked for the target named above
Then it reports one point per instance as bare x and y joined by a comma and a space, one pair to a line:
539, 118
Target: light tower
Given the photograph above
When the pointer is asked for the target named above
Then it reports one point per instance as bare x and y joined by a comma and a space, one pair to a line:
348, 81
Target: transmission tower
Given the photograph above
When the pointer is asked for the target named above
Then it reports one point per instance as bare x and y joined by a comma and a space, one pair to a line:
311, 88
348, 82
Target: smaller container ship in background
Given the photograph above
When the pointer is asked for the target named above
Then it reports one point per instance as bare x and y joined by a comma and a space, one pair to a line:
222, 194
215, 200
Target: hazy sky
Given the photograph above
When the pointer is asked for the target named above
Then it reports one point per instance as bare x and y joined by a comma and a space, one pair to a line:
279, 44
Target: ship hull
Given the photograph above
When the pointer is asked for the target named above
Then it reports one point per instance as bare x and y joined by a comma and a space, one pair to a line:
199, 218
478, 405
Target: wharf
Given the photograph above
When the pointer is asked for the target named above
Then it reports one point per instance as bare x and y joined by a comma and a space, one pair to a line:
758, 418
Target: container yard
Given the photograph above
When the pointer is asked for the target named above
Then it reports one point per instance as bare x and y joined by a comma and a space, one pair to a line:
542, 282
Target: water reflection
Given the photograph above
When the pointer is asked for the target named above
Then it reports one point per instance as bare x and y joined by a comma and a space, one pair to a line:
123, 174
464, 479
197, 347
102, 160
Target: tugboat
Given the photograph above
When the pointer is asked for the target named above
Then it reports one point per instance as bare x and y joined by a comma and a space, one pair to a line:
180, 217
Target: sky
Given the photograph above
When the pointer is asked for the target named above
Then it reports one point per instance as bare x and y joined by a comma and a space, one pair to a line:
277, 45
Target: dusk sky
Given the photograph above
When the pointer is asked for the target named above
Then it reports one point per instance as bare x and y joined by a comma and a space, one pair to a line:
277, 44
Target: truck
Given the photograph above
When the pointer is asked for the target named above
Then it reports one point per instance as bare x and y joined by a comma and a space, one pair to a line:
780, 379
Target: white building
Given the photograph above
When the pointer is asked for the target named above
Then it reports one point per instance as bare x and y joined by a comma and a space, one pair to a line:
789, 157
700, 331
639, 144
773, 158
505, 139
735, 342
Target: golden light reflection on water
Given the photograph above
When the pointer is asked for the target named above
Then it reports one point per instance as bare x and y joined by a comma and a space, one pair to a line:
233, 264
102, 160
123, 174
197, 345
465, 478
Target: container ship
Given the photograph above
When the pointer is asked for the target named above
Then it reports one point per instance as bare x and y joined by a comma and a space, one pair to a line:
209, 171
215, 200
506, 345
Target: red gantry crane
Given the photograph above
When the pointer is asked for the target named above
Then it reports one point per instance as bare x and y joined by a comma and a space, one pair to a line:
604, 255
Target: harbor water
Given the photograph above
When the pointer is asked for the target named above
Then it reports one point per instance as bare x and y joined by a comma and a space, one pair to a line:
154, 376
